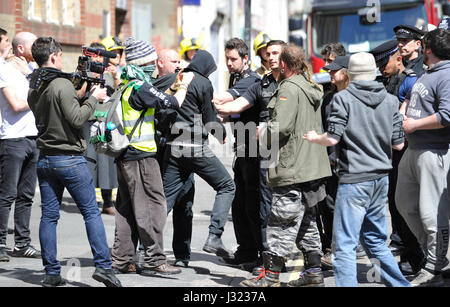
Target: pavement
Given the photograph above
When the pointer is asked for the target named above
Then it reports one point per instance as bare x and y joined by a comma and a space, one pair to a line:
205, 270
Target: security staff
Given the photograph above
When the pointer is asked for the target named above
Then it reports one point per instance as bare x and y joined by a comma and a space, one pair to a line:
409, 44
245, 207
256, 99
398, 82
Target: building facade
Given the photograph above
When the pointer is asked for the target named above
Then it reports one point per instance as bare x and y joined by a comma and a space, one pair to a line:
76, 23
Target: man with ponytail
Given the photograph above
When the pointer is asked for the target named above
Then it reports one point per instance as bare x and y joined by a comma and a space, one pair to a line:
296, 178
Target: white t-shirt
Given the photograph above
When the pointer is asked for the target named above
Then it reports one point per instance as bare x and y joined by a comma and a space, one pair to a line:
15, 124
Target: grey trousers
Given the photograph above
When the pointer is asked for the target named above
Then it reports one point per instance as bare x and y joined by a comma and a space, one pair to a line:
287, 214
141, 213
422, 198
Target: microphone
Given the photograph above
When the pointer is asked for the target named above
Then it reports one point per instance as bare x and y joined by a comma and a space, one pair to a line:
94, 52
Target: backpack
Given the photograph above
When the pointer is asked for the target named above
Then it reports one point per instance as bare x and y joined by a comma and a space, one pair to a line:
107, 133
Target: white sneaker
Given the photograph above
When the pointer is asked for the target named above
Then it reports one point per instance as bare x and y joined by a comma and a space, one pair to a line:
427, 279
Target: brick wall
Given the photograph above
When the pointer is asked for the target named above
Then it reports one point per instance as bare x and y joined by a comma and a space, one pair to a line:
14, 18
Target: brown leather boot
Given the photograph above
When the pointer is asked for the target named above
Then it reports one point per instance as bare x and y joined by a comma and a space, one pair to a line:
270, 275
163, 269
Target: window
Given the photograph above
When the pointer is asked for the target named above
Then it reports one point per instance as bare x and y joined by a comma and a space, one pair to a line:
71, 12
35, 9
53, 7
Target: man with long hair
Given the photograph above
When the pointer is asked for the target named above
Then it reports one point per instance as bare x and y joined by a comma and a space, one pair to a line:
296, 179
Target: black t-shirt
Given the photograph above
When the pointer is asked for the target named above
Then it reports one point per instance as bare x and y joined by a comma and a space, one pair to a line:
260, 93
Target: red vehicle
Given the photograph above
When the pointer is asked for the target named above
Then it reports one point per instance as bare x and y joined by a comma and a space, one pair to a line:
360, 25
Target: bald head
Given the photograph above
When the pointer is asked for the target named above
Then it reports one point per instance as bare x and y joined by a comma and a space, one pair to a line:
22, 43
168, 61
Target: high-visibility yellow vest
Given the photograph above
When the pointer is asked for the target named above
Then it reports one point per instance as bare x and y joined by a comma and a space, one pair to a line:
143, 138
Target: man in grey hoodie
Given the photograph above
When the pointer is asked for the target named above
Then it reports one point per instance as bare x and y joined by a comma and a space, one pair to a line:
422, 194
365, 125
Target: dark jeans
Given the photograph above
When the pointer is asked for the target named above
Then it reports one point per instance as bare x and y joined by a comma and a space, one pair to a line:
246, 208
18, 159
326, 212
182, 213
182, 220
181, 162
71, 172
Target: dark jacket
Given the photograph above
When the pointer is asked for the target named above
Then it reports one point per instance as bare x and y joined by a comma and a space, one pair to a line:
195, 116
60, 117
366, 122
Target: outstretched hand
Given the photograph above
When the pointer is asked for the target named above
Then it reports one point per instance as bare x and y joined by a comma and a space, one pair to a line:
310, 136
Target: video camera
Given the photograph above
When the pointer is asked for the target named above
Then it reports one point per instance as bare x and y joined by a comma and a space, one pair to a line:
78, 78
86, 65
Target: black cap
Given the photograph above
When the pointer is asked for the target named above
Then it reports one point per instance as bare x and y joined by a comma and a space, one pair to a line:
405, 31
444, 24
383, 52
338, 63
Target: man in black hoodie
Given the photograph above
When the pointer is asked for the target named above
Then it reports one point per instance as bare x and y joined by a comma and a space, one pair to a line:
188, 151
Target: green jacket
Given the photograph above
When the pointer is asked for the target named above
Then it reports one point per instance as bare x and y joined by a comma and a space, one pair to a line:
59, 117
295, 108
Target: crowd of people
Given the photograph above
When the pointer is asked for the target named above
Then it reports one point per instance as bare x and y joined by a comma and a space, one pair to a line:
338, 155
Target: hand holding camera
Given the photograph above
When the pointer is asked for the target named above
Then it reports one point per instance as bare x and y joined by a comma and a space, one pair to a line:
99, 93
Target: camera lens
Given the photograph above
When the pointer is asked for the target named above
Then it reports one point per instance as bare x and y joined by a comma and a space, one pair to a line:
97, 68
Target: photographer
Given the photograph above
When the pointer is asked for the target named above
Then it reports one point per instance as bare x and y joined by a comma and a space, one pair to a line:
59, 118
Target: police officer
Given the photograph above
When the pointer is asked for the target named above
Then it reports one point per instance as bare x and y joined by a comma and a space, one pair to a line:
398, 82
397, 79
260, 48
409, 43
444, 24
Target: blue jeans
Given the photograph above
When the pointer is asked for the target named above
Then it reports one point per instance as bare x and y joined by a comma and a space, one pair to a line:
71, 172
361, 211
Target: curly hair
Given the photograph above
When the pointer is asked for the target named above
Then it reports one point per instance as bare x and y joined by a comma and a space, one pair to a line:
439, 42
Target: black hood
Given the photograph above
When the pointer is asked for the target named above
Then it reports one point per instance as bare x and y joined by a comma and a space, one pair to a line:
203, 63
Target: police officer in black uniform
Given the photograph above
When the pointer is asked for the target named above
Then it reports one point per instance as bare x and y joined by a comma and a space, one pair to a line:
399, 82
255, 101
409, 43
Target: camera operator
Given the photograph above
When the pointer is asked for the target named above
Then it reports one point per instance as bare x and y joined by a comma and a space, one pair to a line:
59, 118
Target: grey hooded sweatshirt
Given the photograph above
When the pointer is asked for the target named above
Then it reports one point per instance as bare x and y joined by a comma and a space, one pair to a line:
431, 95
365, 120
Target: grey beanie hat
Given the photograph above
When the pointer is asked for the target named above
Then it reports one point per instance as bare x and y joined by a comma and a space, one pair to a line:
362, 67
139, 52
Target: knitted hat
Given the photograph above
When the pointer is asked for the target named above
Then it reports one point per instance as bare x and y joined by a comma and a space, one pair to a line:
362, 67
139, 52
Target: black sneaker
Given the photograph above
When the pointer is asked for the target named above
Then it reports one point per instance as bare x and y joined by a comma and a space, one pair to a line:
107, 277
184, 263
3, 255
26, 252
53, 281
